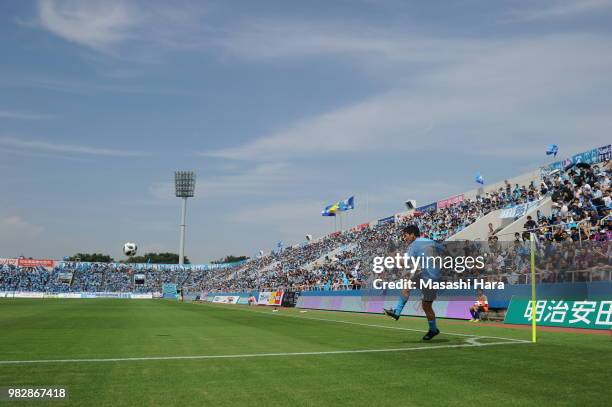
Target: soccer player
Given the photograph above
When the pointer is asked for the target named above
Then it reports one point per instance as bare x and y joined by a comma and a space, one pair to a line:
419, 247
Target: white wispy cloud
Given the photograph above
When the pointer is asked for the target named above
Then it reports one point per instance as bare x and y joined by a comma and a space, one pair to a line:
560, 9
427, 191
108, 25
511, 89
42, 154
290, 220
53, 147
15, 231
77, 86
18, 222
284, 211
12, 114
98, 25
278, 39
259, 179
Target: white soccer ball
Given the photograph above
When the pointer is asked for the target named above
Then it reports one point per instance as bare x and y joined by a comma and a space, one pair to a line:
129, 249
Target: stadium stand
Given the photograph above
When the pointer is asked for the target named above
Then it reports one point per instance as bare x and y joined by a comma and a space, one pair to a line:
569, 210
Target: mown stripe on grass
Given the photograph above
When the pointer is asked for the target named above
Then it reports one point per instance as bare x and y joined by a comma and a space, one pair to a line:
278, 314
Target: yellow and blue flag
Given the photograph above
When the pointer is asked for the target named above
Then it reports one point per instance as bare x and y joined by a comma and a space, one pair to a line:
330, 210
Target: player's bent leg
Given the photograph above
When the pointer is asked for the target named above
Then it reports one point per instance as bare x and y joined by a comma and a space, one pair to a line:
396, 312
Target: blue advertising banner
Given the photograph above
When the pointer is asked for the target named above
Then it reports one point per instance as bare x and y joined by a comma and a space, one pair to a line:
149, 266
605, 153
388, 219
593, 156
518, 210
169, 290
432, 207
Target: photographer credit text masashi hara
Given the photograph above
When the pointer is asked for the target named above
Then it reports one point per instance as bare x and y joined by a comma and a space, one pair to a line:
428, 284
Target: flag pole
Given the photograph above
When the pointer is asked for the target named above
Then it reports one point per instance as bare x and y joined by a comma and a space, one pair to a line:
533, 288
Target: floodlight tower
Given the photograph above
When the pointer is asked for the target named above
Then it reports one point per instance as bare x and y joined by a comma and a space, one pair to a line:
184, 183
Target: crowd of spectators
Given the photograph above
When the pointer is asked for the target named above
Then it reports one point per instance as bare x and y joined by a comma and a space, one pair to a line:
572, 242
581, 205
445, 222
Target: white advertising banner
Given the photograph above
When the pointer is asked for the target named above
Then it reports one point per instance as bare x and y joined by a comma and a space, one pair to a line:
69, 295
142, 296
27, 294
226, 299
263, 298
270, 298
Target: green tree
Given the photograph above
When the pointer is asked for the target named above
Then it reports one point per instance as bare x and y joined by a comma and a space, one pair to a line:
92, 257
157, 258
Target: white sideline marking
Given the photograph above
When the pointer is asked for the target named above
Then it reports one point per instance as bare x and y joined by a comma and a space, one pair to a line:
379, 326
472, 344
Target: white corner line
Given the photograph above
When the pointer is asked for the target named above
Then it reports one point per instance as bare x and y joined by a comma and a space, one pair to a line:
472, 344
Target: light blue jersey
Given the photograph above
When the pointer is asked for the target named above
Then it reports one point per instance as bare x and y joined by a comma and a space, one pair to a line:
423, 247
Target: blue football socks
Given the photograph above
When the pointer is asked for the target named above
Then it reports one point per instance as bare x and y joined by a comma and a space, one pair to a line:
432, 325
401, 301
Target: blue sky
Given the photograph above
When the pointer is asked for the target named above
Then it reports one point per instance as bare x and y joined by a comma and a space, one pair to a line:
280, 107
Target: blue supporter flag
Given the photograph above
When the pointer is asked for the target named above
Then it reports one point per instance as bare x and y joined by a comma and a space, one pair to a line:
552, 149
347, 204
479, 178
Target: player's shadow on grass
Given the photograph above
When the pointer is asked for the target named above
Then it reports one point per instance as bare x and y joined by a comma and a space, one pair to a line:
433, 342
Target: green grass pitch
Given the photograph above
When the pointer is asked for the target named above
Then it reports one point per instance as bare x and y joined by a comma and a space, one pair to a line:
253, 356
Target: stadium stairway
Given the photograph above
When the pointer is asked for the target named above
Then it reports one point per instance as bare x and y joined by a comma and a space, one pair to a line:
479, 230
516, 226
331, 254
504, 228
269, 267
